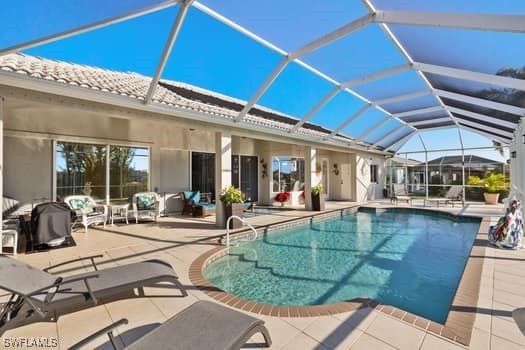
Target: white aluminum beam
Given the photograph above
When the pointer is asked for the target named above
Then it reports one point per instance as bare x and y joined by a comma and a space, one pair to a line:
237, 27
481, 102
401, 49
269, 45
372, 129
488, 129
376, 76
486, 134
482, 117
333, 36
403, 139
430, 121
422, 142
474, 21
262, 89
400, 98
418, 111
349, 120
470, 75
88, 27
393, 132
316, 108
177, 24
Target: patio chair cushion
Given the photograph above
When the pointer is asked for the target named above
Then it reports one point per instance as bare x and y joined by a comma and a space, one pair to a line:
145, 202
202, 325
207, 206
82, 204
192, 197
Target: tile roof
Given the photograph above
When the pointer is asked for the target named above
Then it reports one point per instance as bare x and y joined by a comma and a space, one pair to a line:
169, 93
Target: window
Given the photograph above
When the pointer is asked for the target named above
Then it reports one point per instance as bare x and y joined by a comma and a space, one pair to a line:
81, 169
128, 172
288, 174
373, 173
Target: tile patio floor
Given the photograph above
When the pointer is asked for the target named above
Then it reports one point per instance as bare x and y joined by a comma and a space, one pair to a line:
180, 240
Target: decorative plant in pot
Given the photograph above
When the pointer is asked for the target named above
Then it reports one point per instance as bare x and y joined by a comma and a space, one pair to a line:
493, 185
282, 197
232, 198
317, 197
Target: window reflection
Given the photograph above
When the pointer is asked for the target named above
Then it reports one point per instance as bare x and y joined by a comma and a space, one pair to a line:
288, 174
81, 169
128, 172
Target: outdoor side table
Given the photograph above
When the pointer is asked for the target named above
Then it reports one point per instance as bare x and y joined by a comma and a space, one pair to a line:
119, 212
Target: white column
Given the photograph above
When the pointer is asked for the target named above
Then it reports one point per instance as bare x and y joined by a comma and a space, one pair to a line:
108, 166
54, 170
223, 171
311, 176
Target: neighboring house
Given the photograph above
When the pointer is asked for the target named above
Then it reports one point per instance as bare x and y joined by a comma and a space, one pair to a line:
449, 168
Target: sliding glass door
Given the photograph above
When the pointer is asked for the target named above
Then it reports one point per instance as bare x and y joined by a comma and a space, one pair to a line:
244, 176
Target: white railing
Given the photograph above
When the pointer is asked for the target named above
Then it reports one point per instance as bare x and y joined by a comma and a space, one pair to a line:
244, 222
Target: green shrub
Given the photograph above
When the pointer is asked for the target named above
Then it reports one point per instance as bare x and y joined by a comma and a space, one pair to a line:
231, 195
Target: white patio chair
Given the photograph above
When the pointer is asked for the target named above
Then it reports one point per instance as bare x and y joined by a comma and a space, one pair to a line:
87, 210
145, 206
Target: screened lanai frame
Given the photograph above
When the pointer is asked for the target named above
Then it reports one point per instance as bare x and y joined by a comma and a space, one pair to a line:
452, 106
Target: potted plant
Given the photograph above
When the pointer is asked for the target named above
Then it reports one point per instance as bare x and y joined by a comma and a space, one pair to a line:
233, 200
282, 197
492, 183
317, 197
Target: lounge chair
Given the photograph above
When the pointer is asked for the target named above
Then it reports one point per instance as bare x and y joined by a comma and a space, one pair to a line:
454, 194
145, 206
519, 317
399, 193
37, 295
87, 210
203, 325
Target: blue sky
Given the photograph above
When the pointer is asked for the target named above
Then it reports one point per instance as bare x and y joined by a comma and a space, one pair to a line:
213, 56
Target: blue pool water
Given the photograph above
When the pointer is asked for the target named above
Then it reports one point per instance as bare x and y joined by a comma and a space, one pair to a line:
410, 259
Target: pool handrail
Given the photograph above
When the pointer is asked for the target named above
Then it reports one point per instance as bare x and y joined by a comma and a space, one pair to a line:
244, 222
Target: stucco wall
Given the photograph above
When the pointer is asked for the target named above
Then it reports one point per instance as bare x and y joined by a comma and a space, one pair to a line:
33, 125
27, 169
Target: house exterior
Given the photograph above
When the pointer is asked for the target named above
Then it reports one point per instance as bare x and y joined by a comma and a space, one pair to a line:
70, 128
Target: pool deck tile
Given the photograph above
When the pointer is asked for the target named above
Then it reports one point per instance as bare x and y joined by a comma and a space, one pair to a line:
491, 286
409, 318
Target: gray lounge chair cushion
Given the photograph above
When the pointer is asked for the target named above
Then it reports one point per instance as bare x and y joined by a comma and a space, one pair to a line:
519, 318
114, 280
21, 278
203, 325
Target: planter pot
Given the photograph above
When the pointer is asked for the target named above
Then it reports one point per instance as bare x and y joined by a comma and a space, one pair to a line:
234, 209
317, 202
491, 198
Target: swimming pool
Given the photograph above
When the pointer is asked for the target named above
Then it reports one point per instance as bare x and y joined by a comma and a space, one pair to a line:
409, 259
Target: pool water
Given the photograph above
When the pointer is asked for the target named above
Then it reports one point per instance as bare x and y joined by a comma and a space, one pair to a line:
409, 259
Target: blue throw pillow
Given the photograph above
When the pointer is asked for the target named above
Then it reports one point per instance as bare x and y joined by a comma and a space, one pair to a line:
145, 202
192, 195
